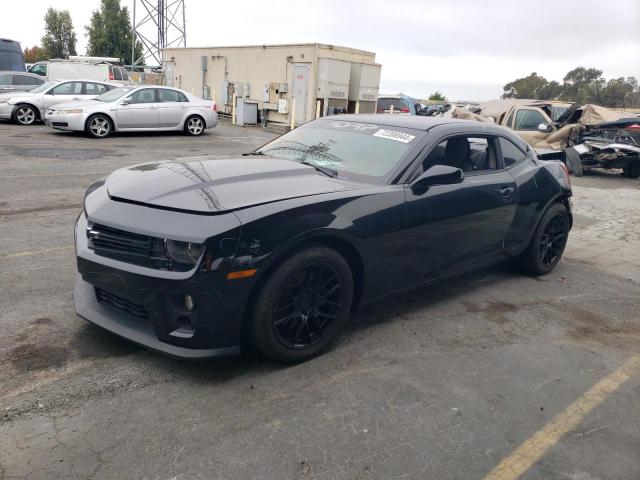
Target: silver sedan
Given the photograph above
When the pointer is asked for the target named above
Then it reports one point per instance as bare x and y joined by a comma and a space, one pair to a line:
135, 109
26, 108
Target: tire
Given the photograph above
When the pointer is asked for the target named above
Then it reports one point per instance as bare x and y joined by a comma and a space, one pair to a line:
303, 305
573, 162
548, 241
194, 125
98, 126
25, 115
631, 170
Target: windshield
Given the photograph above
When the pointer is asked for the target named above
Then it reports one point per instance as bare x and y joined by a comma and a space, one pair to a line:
114, 94
43, 87
360, 151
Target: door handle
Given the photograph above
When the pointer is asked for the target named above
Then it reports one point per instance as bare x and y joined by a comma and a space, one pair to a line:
76, 99
506, 191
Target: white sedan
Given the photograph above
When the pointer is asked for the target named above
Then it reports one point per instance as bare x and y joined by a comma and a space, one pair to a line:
135, 109
26, 108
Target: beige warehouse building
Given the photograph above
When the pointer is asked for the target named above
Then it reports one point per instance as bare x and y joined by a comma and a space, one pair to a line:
270, 77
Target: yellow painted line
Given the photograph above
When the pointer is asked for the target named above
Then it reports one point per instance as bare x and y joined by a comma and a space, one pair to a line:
35, 252
533, 449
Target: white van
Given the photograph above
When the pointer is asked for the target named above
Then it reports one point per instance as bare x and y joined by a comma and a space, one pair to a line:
71, 69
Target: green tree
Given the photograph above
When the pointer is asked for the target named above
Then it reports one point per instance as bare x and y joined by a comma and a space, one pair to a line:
59, 40
525, 87
34, 54
437, 96
550, 91
110, 33
619, 92
583, 85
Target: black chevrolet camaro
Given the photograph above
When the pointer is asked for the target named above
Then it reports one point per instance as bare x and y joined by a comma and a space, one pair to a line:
276, 248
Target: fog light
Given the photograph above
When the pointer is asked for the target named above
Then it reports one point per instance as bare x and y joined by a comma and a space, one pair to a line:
188, 302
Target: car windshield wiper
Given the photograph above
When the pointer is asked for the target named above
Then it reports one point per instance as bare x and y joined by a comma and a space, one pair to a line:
327, 171
256, 152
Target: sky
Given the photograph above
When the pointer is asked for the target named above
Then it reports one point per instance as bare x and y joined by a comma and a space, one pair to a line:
467, 49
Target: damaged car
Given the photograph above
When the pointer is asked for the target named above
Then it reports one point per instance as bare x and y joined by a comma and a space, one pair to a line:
275, 249
582, 136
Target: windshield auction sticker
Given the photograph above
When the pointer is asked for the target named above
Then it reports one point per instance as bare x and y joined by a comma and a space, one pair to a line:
394, 135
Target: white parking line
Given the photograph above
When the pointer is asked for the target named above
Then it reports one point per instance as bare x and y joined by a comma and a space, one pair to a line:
36, 252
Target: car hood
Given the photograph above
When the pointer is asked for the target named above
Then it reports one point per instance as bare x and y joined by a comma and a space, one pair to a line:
217, 186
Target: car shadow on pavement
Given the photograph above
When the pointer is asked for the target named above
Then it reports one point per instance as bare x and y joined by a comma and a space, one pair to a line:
394, 308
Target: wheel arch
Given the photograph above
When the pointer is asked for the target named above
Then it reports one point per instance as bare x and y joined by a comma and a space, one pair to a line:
193, 114
23, 103
109, 117
318, 238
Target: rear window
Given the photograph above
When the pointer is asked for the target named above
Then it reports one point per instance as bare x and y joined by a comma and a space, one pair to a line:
167, 95
510, 153
116, 73
95, 88
362, 151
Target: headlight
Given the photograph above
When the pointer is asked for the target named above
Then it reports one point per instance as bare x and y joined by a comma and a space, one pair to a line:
184, 252
65, 112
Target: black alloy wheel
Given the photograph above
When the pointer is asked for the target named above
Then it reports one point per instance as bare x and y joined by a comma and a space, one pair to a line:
548, 242
553, 240
308, 306
302, 305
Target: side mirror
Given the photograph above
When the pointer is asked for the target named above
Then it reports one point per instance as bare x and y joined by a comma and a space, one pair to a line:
544, 127
437, 175
125, 101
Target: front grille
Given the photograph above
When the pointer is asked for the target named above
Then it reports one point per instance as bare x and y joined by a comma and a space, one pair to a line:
121, 303
129, 247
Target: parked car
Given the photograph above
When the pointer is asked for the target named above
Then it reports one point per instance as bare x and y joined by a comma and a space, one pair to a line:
277, 248
19, 81
26, 108
128, 109
69, 69
402, 104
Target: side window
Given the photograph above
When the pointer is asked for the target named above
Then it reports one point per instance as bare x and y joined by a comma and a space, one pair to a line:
510, 120
67, 88
26, 80
5, 79
146, 95
528, 119
91, 88
40, 69
469, 153
183, 97
166, 95
510, 153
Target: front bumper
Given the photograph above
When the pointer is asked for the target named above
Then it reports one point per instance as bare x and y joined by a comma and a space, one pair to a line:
136, 330
72, 122
147, 306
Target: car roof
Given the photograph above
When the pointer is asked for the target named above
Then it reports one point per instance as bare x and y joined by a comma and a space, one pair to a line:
416, 122
13, 72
